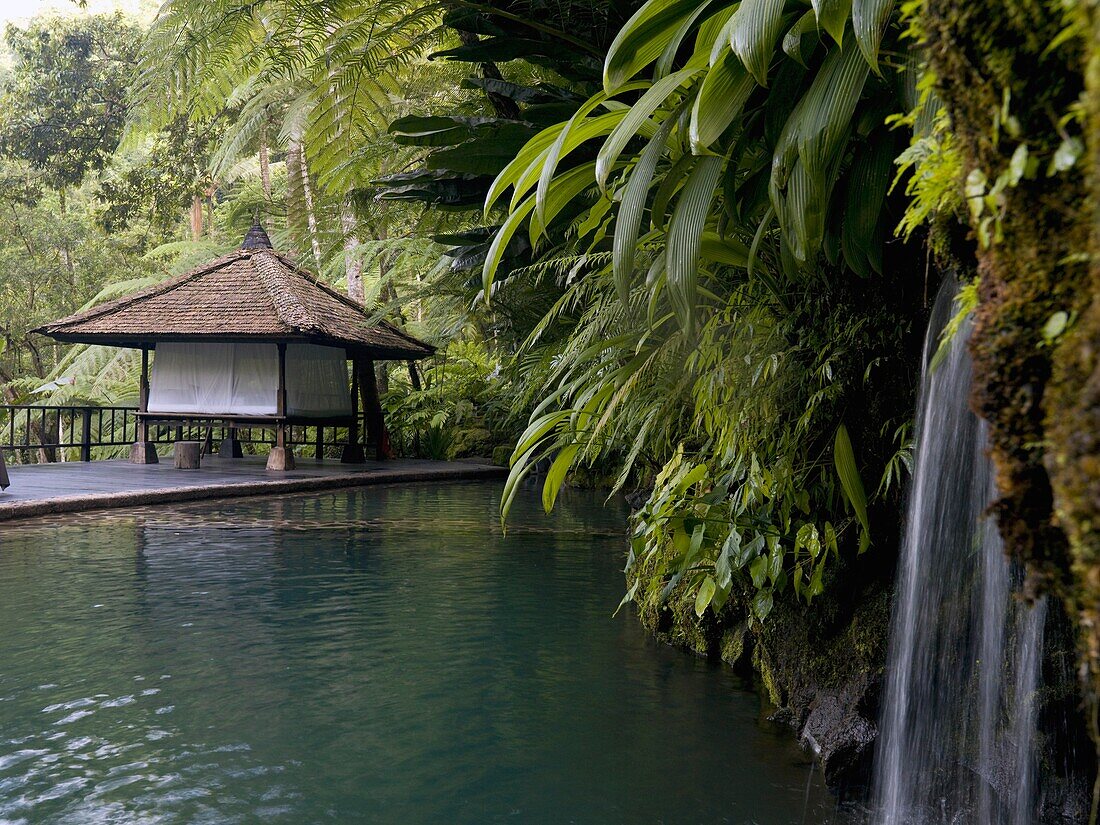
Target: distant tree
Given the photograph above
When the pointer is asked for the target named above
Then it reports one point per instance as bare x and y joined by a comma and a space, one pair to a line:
64, 102
155, 183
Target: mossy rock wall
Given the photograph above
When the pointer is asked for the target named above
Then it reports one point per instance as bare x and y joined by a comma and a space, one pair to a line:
1024, 63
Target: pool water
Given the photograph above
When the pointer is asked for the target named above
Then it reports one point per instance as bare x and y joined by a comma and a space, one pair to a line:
383, 655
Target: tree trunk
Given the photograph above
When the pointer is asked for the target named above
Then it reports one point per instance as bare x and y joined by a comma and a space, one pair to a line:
297, 221
353, 263
265, 166
377, 437
196, 217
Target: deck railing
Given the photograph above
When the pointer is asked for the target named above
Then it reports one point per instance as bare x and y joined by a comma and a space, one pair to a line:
31, 433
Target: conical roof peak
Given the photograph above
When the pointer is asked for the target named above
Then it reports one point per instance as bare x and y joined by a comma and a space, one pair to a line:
256, 237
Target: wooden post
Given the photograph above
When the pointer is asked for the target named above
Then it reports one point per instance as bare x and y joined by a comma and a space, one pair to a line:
353, 450
372, 409
282, 455
230, 446
86, 434
143, 451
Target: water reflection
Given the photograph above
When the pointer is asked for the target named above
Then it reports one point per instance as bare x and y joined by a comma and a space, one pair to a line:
385, 655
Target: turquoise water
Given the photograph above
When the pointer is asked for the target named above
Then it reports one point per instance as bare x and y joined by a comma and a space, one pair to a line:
384, 655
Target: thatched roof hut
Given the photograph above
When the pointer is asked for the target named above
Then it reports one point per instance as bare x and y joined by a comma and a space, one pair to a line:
249, 337
252, 294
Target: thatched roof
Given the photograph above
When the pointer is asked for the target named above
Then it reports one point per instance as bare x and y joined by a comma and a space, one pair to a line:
251, 294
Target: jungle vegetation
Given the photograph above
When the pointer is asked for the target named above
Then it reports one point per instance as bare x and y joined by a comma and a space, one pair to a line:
684, 248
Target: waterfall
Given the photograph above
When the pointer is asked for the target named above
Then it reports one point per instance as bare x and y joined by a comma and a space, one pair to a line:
958, 719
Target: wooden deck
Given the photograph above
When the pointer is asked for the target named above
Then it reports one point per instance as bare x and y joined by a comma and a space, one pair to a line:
42, 489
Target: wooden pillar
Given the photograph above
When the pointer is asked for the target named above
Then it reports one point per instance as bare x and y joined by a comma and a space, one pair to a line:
372, 409
143, 451
353, 450
282, 455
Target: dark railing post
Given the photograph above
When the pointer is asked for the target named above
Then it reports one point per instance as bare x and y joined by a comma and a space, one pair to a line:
86, 434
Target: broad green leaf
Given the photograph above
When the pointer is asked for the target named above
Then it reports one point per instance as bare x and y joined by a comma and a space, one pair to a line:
809, 148
629, 220
832, 16
802, 38
720, 100
868, 182
726, 251
664, 63
563, 191
759, 571
555, 476
500, 243
536, 431
642, 39
437, 130
628, 598
869, 19
542, 170
705, 594
756, 27
636, 117
685, 237
844, 458
762, 604
816, 586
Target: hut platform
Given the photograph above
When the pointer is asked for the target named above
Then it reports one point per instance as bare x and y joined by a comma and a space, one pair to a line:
70, 487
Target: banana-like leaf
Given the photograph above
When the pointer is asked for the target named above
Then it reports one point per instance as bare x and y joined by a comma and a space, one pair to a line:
725, 251
869, 19
756, 27
685, 237
720, 100
868, 182
844, 458
664, 63
567, 181
806, 154
637, 115
563, 191
642, 39
629, 221
555, 476
802, 38
437, 130
832, 15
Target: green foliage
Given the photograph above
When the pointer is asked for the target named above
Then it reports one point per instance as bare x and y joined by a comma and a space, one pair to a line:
64, 103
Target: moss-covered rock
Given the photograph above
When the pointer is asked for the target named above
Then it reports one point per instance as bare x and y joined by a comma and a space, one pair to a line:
1011, 75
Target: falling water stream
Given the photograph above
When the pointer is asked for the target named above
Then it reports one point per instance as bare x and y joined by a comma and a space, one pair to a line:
957, 742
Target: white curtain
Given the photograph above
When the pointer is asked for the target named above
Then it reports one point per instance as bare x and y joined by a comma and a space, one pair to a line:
317, 382
243, 379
